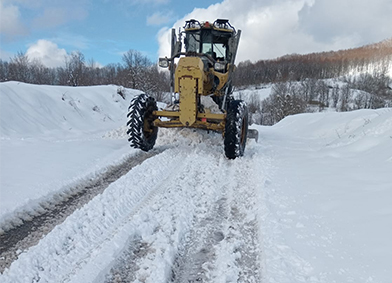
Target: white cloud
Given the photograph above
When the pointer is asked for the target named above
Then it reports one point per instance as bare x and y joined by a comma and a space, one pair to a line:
47, 52
356, 22
44, 13
10, 21
273, 28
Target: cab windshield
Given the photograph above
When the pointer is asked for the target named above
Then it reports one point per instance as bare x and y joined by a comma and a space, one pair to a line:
204, 41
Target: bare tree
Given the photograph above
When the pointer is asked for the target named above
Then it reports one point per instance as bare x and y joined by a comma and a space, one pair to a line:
282, 102
4, 71
323, 94
344, 98
19, 68
40, 74
75, 69
335, 95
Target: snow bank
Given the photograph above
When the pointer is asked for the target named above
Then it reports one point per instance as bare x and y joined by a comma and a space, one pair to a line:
53, 137
328, 201
31, 111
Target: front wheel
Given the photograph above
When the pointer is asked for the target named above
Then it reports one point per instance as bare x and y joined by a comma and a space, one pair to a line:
236, 129
141, 132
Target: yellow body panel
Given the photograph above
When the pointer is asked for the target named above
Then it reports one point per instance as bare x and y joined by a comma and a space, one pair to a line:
189, 83
223, 77
188, 103
192, 79
189, 67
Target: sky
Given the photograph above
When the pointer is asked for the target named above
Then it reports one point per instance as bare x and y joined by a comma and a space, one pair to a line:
104, 30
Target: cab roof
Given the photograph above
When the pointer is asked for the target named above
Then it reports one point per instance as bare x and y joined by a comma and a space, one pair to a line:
220, 25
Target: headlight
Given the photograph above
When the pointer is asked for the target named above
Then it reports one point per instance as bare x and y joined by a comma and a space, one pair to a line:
163, 62
219, 66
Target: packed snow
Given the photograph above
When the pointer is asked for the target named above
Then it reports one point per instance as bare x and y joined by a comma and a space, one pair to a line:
310, 202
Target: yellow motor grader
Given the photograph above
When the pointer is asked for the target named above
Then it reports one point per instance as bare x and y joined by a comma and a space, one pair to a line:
201, 86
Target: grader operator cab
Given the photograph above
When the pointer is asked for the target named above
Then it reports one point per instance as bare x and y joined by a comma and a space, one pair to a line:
201, 86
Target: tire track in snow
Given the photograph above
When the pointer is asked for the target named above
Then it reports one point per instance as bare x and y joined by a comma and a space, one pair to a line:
197, 252
82, 248
243, 219
125, 271
18, 239
170, 213
206, 229
224, 246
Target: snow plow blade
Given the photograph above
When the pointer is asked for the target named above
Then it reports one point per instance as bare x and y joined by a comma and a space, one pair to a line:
253, 134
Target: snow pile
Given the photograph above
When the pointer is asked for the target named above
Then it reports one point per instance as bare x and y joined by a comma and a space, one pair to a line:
328, 201
51, 139
40, 110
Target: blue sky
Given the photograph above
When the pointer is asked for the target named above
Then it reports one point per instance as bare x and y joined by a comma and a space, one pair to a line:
104, 29
100, 29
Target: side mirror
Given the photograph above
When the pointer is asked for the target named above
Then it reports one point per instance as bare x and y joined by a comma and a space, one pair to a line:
163, 62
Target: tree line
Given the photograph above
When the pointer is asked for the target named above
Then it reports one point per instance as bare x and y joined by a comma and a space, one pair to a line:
344, 80
323, 65
136, 71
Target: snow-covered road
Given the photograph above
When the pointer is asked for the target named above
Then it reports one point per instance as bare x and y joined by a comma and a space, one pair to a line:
309, 203
193, 211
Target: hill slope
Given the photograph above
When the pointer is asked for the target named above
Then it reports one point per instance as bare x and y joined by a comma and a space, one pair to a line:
54, 136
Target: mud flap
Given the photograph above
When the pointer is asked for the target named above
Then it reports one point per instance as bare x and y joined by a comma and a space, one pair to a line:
253, 134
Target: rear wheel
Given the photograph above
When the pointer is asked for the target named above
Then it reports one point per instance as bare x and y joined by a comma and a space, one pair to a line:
141, 131
236, 129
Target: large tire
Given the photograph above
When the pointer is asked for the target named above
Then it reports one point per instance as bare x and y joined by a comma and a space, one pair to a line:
141, 132
236, 129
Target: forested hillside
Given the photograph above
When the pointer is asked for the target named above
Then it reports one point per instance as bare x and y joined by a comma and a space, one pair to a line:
344, 80
365, 91
374, 58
